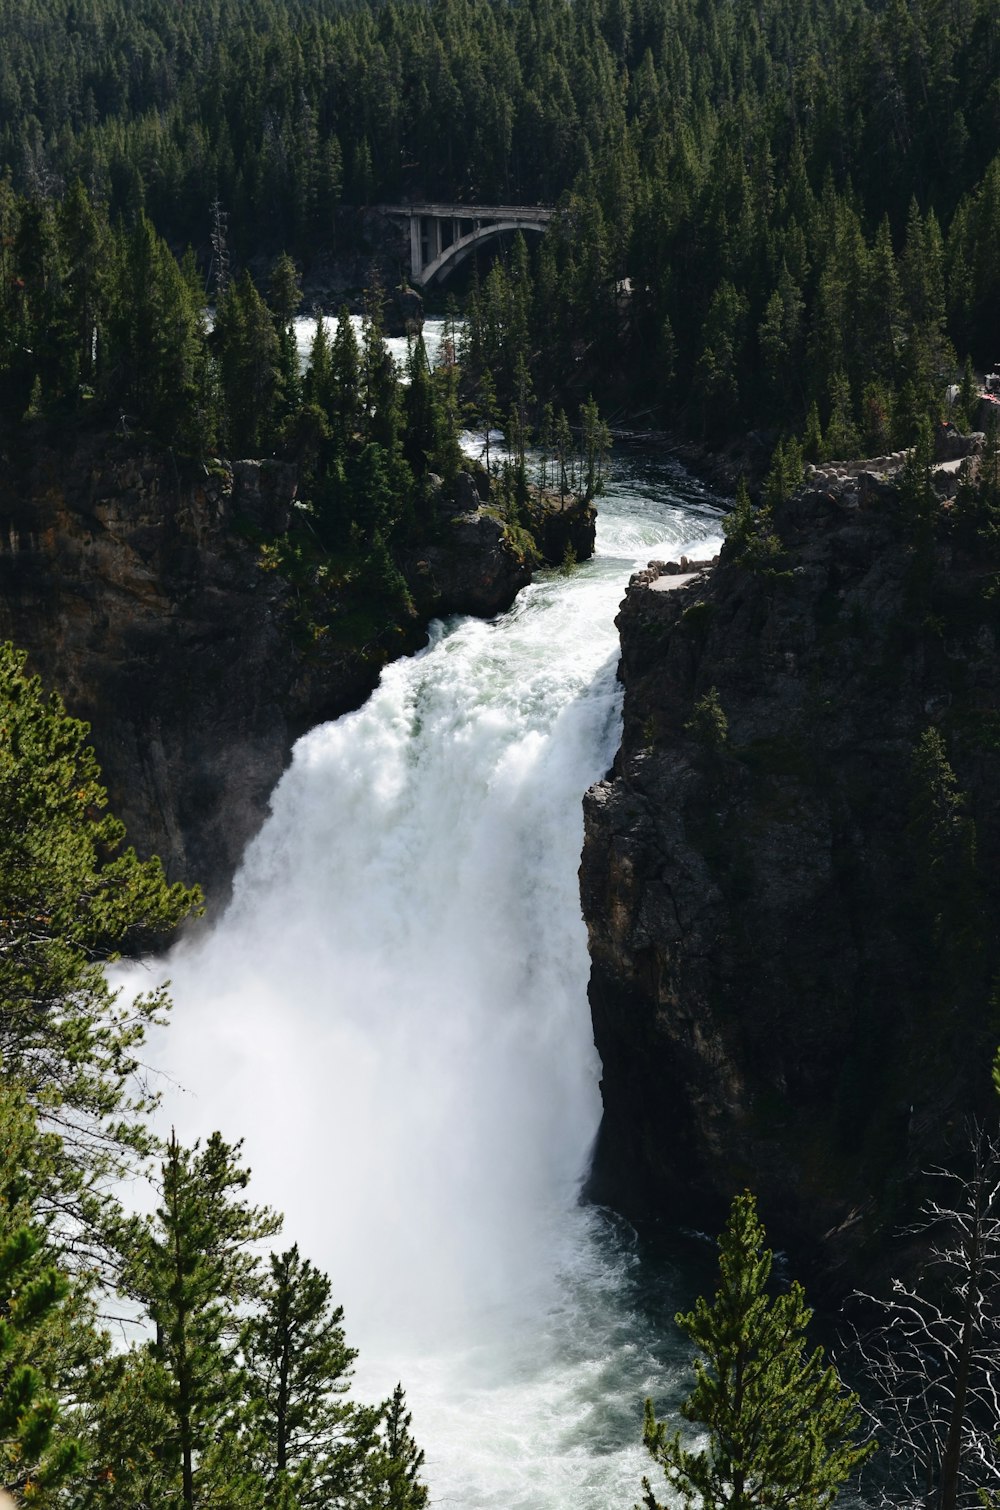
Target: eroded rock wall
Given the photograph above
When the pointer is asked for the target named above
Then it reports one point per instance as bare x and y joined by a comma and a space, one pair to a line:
792, 978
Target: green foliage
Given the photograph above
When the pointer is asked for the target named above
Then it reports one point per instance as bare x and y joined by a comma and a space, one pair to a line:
71, 898
40, 1336
395, 1482
750, 538
708, 723
193, 1267
978, 500
129, 1423
248, 351
284, 290
785, 473
876, 418
918, 501
303, 1435
841, 439
154, 363
812, 439
596, 446
717, 371
781, 1427
430, 440
943, 838
968, 398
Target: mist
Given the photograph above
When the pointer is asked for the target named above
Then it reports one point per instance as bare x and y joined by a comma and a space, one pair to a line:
393, 1015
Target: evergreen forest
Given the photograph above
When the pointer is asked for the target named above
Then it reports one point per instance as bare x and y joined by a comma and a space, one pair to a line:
772, 214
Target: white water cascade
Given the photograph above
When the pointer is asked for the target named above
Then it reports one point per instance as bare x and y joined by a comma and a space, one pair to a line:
393, 1013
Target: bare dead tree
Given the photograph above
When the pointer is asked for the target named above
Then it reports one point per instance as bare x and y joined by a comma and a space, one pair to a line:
927, 1359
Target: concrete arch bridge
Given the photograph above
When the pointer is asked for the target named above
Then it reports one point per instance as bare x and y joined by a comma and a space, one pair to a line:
443, 235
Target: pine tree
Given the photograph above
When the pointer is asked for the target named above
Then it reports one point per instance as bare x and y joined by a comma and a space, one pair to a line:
876, 418
780, 338
192, 1266
379, 380
841, 438
298, 1367
785, 473
317, 385
284, 292
717, 368
812, 439
595, 440
944, 875
968, 397
423, 421
345, 382
919, 504
749, 532
71, 897
156, 341
284, 296
250, 362
37, 1321
129, 1425
883, 318
487, 406
563, 444
781, 1427
85, 245
396, 1481
47, 332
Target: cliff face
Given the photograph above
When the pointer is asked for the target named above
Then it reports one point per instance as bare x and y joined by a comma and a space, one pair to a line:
789, 886
137, 585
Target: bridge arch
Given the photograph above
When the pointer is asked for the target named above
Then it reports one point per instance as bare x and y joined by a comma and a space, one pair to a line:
442, 235
453, 255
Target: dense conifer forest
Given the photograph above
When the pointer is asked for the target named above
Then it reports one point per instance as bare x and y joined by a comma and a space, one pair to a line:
805, 200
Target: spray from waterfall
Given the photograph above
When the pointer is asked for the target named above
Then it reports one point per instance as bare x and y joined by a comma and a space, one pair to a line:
393, 1013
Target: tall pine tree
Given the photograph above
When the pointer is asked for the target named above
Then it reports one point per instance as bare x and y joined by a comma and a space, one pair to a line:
781, 1427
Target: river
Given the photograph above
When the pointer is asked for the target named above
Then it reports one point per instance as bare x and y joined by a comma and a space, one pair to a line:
393, 1013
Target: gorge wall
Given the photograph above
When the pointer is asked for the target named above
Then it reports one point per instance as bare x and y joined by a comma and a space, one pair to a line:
790, 885
137, 584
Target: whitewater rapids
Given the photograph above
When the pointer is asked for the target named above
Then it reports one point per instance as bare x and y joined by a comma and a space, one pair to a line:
393, 1014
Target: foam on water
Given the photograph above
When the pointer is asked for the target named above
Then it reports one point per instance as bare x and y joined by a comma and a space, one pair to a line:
433, 334
393, 1012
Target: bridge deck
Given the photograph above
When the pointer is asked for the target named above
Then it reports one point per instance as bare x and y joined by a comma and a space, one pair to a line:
471, 211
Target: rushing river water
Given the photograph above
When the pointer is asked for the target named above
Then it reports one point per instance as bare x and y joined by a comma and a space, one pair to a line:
393, 1013
433, 334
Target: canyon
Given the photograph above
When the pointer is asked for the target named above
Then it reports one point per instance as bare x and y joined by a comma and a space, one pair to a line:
788, 900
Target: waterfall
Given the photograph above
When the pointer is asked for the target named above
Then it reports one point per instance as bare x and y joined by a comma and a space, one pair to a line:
393, 1013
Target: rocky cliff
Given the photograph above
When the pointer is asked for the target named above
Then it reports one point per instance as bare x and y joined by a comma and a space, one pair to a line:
789, 876
139, 587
